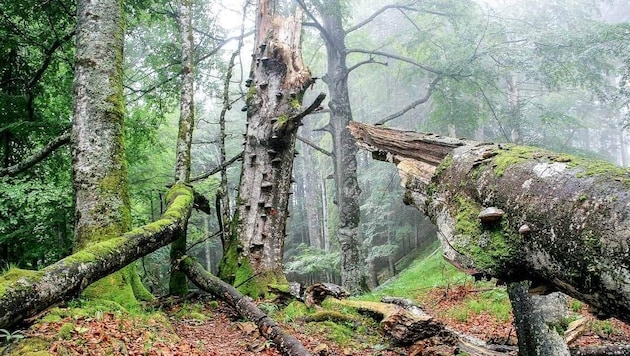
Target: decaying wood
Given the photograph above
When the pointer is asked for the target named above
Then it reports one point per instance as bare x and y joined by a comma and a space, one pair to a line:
285, 343
610, 350
575, 330
316, 293
27, 293
407, 324
575, 211
403, 324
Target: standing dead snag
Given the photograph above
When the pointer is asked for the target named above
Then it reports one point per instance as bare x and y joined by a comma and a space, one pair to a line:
576, 210
278, 81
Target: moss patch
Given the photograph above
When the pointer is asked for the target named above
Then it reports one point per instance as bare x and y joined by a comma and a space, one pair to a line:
491, 247
13, 275
512, 154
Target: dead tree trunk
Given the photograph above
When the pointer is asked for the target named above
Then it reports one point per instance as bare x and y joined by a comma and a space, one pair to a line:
286, 344
538, 320
25, 293
255, 245
564, 221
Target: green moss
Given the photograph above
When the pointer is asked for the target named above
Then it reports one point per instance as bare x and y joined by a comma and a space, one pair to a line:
512, 154
31, 346
592, 167
509, 155
282, 119
294, 310
491, 247
251, 93
66, 330
295, 103
284, 288
8, 279
116, 288
560, 326
329, 315
446, 163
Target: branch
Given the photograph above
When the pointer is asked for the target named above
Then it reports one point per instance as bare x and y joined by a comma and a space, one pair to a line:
223, 43
412, 105
316, 104
37, 157
315, 146
369, 61
399, 58
377, 13
318, 25
217, 169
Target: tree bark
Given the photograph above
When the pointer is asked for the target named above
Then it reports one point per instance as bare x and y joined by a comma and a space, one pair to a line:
25, 293
102, 206
285, 343
255, 244
347, 189
565, 218
177, 282
538, 320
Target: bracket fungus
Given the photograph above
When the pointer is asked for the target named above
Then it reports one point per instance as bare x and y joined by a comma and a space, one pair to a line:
491, 215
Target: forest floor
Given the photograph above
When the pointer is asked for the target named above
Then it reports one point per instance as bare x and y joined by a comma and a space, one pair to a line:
202, 326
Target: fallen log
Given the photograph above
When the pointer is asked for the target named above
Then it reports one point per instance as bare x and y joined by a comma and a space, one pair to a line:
285, 343
610, 350
563, 219
26, 293
407, 324
404, 325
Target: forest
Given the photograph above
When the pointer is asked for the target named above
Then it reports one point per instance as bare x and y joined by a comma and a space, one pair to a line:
202, 177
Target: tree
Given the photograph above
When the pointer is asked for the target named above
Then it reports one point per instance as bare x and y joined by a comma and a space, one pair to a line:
102, 207
253, 257
178, 284
560, 221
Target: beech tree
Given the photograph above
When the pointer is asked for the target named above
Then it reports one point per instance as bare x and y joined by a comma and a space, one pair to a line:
178, 284
279, 78
102, 208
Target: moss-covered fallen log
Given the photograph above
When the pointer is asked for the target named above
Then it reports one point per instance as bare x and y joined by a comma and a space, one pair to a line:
25, 293
285, 343
563, 220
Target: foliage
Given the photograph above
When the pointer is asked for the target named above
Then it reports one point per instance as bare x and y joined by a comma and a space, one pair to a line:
312, 260
37, 219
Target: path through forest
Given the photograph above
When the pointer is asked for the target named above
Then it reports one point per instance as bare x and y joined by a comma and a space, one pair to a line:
203, 326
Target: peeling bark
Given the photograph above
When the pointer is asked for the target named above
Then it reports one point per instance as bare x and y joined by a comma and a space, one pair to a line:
25, 294
575, 211
287, 344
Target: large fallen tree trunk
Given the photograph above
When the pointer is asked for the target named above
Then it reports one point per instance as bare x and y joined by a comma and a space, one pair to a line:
285, 343
25, 293
562, 221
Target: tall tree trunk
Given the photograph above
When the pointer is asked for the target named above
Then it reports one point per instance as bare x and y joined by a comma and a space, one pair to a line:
347, 189
312, 194
253, 257
564, 219
102, 206
177, 283
539, 321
